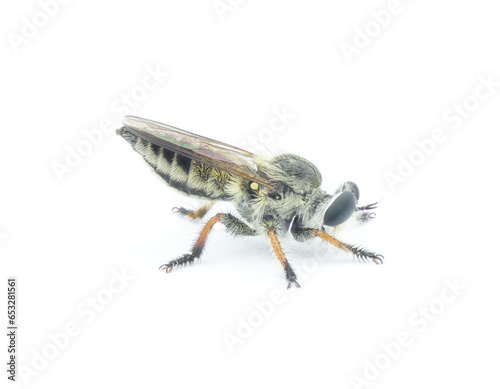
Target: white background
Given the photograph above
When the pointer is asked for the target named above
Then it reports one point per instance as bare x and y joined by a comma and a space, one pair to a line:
64, 237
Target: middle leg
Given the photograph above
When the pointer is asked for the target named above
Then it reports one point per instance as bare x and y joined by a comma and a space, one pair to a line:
289, 273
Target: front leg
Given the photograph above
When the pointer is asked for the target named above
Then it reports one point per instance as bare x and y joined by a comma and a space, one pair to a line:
362, 214
358, 252
302, 234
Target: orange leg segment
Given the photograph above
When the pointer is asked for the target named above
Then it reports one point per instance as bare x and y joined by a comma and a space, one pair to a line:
356, 251
197, 248
194, 214
200, 243
289, 273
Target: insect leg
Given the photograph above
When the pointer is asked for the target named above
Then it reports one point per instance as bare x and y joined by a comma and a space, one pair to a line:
236, 226
354, 250
360, 212
197, 248
232, 224
289, 273
193, 214
363, 215
302, 234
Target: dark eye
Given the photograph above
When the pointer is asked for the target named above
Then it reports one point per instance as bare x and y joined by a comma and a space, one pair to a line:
340, 210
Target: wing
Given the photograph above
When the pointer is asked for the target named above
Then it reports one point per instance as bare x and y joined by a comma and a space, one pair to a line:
199, 148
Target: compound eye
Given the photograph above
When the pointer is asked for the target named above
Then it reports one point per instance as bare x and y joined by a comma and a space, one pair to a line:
340, 210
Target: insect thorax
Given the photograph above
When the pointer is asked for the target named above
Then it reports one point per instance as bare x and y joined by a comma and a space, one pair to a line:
296, 193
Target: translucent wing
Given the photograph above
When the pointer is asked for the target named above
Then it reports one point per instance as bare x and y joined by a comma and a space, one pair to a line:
199, 148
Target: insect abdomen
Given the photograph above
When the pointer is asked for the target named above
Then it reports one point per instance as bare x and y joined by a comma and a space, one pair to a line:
180, 172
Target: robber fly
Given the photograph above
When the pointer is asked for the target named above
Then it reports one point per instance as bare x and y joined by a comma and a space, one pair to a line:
274, 197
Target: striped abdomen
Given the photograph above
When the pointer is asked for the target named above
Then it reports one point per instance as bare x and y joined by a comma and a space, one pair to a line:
180, 172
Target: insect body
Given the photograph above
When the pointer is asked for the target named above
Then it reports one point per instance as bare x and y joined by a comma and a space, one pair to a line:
273, 197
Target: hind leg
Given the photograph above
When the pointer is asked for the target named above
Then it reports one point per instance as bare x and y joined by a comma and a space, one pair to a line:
232, 224
197, 248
